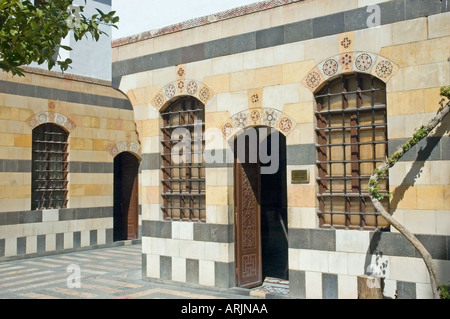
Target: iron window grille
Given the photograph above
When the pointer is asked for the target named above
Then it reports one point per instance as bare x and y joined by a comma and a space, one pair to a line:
351, 142
49, 167
183, 181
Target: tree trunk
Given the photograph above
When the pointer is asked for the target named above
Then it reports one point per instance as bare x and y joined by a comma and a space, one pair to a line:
432, 270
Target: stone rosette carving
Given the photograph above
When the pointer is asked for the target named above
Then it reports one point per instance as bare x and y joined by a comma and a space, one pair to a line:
51, 117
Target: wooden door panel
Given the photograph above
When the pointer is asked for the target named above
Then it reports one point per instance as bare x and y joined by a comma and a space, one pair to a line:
248, 225
132, 214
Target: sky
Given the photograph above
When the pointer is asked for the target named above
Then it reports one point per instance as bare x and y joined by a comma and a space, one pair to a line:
137, 16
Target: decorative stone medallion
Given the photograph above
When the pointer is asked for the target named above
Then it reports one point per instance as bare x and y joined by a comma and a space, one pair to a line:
125, 147
363, 62
204, 94
384, 69
346, 42
330, 67
313, 79
285, 125
192, 87
50, 117
255, 115
240, 120
159, 101
227, 129
170, 91
270, 117
346, 61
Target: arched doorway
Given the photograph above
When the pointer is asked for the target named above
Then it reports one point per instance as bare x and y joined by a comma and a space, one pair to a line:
126, 196
260, 206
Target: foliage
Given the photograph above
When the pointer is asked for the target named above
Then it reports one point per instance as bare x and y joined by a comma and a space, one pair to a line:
418, 135
32, 33
445, 291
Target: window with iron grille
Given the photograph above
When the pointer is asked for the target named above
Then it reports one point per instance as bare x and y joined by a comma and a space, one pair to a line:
351, 142
49, 167
183, 167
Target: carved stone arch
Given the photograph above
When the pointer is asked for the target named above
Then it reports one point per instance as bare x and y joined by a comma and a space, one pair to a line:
182, 87
349, 62
132, 147
51, 117
258, 117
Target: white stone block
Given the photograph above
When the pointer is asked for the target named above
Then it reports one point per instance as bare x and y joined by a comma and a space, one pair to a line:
182, 230
154, 212
313, 283
60, 227
150, 178
101, 236
397, 174
151, 144
352, 241
409, 31
192, 249
424, 291
179, 269
337, 262
227, 64
172, 247
439, 25
440, 173
9, 231
146, 245
50, 215
212, 251
50, 242
158, 246
289, 53
390, 287
277, 96
347, 287
85, 238
321, 49
233, 102
294, 259
207, 271
357, 264
365, 3
68, 240
426, 76
153, 266
10, 247
314, 260
408, 269
164, 76
442, 222
199, 70
421, 221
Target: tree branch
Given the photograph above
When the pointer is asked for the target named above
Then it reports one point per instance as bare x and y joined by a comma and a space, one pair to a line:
381, 172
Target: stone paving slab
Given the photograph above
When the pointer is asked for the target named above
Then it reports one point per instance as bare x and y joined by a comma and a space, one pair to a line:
108, 273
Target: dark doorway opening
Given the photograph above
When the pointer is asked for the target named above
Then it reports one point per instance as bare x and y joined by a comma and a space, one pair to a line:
126, 201
274, 236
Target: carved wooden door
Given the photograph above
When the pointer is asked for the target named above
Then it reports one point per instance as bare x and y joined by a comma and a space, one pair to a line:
248, 224
133, 207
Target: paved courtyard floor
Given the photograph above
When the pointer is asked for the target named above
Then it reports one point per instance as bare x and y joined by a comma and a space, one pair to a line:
108, 273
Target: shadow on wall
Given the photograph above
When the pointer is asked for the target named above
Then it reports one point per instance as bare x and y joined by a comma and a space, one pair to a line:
377, 267
426, 147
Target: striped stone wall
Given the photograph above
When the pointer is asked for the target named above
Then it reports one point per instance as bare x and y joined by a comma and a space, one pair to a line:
271, 62
100, 123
